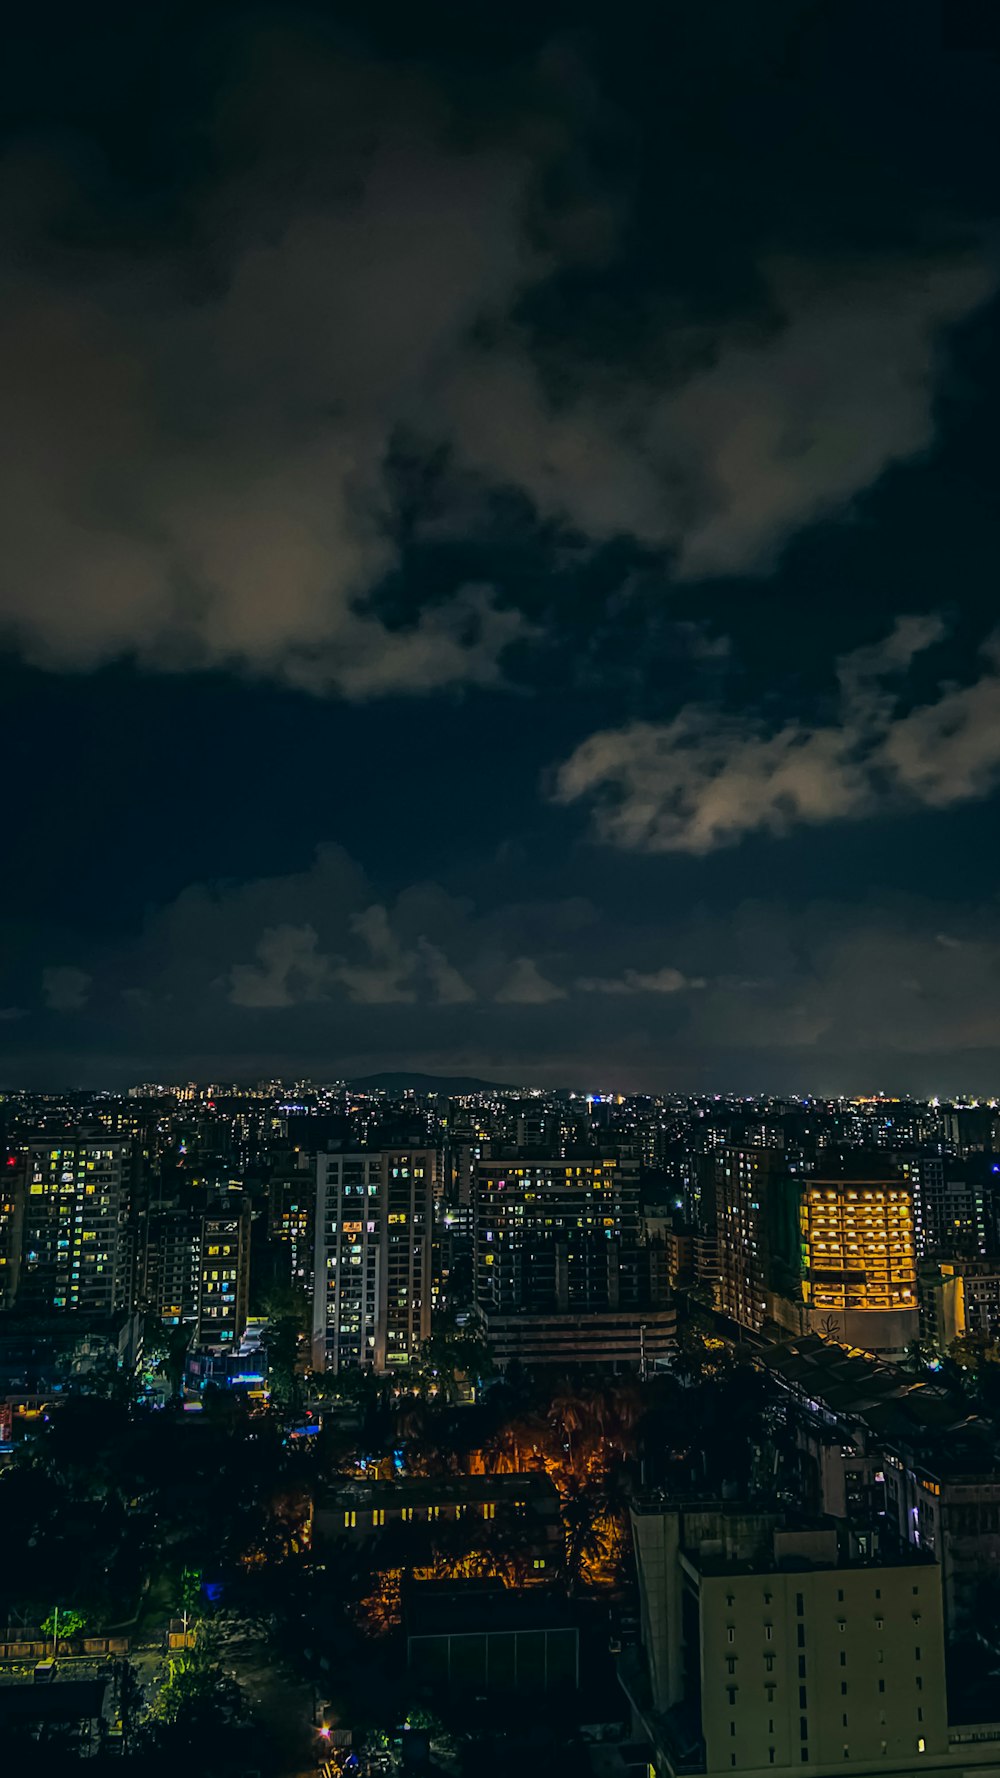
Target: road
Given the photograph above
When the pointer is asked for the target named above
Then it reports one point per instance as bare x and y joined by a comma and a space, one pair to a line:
281, 1706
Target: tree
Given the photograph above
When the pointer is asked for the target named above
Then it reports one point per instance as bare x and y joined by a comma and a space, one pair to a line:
920, 1355
168, 1349
62, 1624
198, 1703
582, 1511
287, 1320
450, 1357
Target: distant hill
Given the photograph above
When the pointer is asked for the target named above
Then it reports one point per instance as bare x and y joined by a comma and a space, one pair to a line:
446, 1084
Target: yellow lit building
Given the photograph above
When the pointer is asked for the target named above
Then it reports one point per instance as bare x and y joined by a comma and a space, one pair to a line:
857, 1264
858, 1246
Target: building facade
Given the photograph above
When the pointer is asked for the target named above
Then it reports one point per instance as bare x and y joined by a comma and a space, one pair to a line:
11, 1225
172, 1266
372, 1268
642, 1340
743, 1183
771, 1647
224, 1278
950, 1207
855, 1246
554, 1234
77, 1241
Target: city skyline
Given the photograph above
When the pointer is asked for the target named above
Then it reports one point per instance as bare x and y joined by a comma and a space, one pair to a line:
500, 560
499, 926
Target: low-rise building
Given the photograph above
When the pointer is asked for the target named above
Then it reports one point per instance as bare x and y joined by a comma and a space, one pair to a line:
610, 1339
484, 1638
418, 1507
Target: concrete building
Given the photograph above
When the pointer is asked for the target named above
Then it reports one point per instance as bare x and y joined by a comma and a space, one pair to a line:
555, 1234
662, 1224
77, 1246
565, 1272
942, 1304
610, 1339
959, 1299
744, 1185
11, 1225
772, 1647
845, 1264
416, 1508
172, 1266
886, 1453
224, 1277
950, 1207
980, 1300
943, 1496
291, 1218
372, 1269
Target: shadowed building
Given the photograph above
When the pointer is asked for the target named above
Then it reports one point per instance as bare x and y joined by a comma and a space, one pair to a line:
372, 1274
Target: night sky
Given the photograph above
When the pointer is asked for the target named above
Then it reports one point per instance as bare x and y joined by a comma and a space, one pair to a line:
501, 545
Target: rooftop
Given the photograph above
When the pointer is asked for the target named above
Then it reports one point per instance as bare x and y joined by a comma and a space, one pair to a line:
720, 1537
854, 1386
437, 1608
432, 1491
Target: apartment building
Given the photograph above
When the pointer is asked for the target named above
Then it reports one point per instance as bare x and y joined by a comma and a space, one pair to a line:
775, 1646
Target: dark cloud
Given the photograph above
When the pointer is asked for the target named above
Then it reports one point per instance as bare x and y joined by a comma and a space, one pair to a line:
772, 426
65, 988
199, 436
571, 407
820, 996
707, 778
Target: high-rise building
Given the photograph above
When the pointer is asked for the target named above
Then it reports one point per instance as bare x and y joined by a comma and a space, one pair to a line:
372, 1272
832, 1252
950, 1207
744, 1204
224, 1276
561, 1270
535, 1125
76, 1239
968, 1129
11, 1224
291, 1217
172, 1266
855, 1257
347, 1270
410, 1182
959, 1300
772, 1647
550, 1234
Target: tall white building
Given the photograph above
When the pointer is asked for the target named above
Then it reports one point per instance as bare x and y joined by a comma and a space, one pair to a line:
372, 1289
